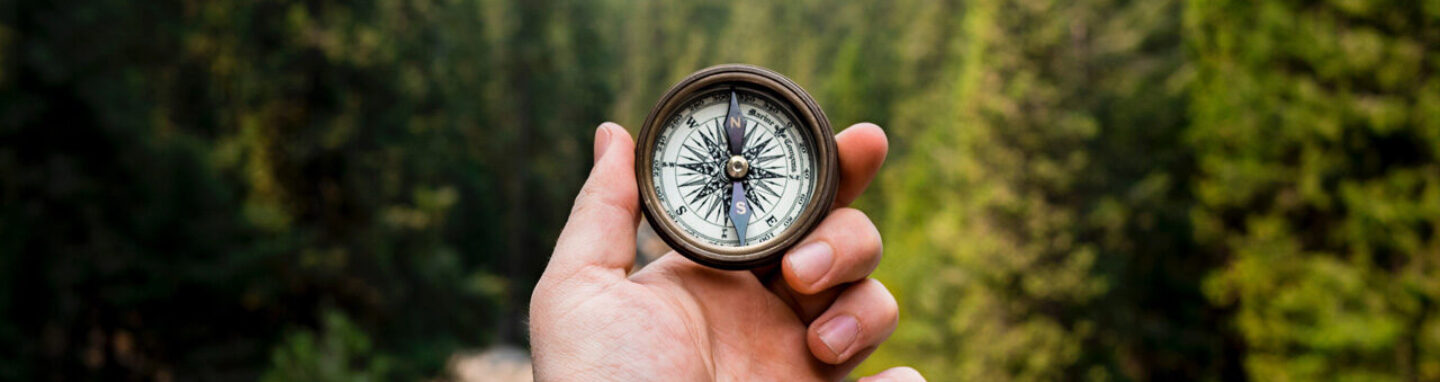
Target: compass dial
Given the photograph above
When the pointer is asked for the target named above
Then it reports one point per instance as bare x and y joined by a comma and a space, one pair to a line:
694, 187
735, 165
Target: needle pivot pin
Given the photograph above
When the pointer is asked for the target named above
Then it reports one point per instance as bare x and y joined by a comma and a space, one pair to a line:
737, 167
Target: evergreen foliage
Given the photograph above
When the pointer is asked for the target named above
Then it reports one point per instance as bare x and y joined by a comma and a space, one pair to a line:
1317, 139
1091, 189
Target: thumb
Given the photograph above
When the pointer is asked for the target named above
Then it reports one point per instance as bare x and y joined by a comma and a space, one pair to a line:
601, 229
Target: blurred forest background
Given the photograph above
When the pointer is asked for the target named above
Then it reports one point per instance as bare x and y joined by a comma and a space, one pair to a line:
1077, 189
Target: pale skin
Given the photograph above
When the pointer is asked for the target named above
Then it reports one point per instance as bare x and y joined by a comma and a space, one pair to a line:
812, 319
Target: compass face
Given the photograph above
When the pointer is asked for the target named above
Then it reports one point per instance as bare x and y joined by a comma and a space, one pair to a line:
735, 165
691, 153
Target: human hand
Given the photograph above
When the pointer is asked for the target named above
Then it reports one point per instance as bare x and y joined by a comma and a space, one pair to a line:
814, 318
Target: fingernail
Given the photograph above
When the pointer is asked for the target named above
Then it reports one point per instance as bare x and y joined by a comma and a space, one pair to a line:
839, 332
602, 140
811, 261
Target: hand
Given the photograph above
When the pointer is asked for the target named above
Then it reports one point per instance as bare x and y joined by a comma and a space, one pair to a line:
815, 318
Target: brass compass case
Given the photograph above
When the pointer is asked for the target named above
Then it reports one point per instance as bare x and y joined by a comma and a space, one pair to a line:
819, 141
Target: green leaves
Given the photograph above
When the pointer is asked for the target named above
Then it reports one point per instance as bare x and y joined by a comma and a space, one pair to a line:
1094, 189
339, 351
1317, 184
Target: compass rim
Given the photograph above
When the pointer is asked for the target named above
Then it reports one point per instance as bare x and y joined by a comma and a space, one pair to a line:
807, 112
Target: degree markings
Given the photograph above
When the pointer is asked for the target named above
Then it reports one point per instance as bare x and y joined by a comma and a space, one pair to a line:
695, 171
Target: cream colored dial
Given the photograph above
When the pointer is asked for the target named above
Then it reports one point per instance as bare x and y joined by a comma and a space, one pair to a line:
689, 174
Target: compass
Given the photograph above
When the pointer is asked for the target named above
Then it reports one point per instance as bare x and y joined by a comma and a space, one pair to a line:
735, 164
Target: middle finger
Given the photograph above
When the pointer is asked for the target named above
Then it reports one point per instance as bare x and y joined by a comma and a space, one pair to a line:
845, 248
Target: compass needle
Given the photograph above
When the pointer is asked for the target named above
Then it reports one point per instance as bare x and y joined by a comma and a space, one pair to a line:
737, 167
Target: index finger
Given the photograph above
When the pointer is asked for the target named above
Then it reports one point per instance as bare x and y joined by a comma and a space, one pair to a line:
862, 149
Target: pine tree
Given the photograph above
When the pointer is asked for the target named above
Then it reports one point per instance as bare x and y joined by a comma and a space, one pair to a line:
1036, 225
1315, 130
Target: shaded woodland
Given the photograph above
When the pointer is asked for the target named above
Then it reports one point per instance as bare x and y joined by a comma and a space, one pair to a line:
1077, 190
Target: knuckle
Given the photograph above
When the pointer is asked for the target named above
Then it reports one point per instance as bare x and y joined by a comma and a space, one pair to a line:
850, 215
586, 200
886, 306
874, 246
857, 221
582, 199
590, 200
857, 234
